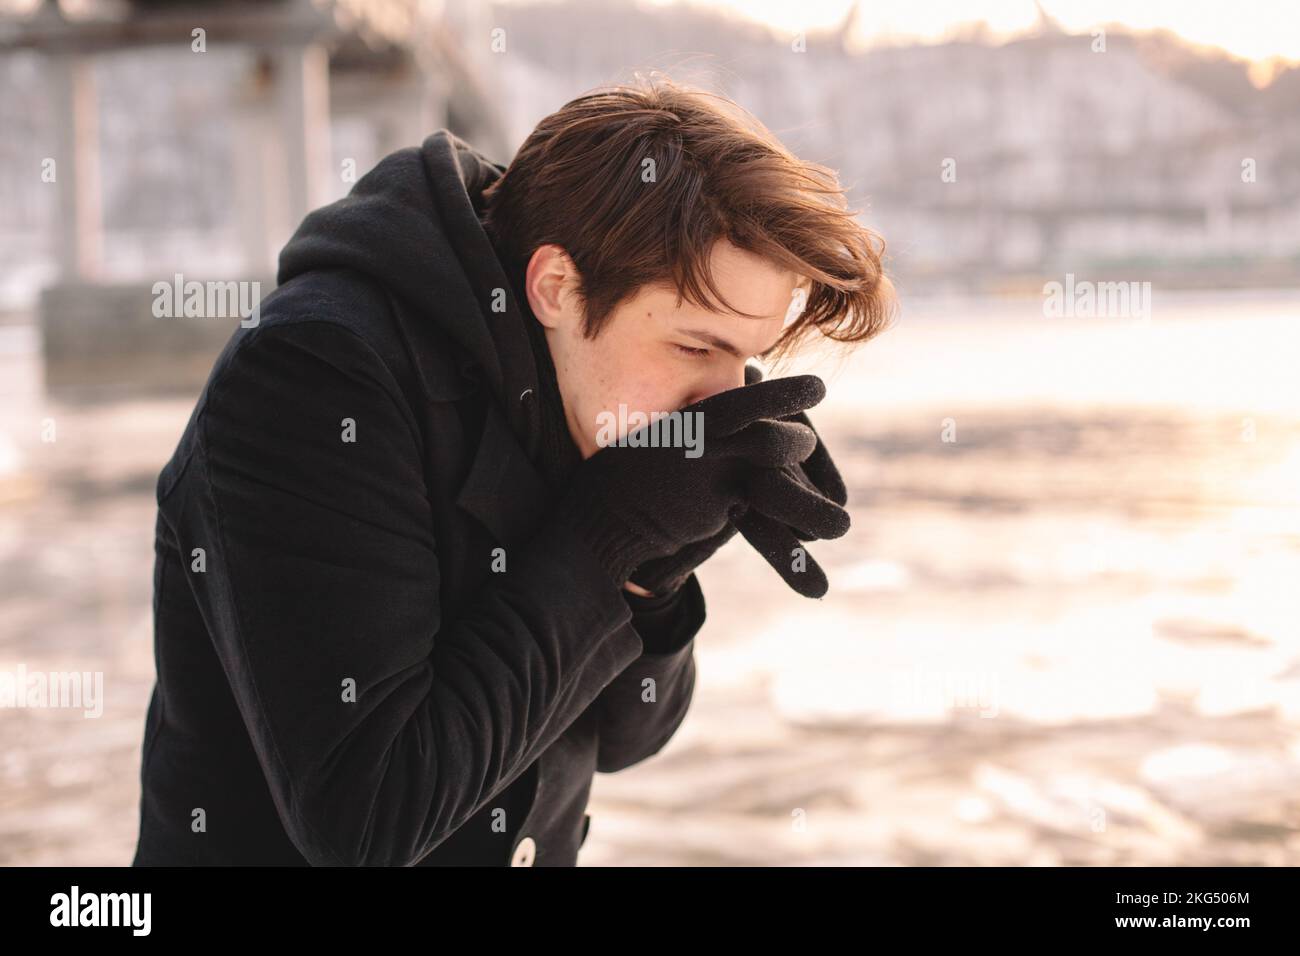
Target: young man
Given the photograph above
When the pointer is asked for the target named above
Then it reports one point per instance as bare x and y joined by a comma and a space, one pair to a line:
418, 575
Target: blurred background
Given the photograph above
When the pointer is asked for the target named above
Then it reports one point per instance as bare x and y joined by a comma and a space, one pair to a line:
1065, 628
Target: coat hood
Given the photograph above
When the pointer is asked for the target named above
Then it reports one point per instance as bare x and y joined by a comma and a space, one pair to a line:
412, 224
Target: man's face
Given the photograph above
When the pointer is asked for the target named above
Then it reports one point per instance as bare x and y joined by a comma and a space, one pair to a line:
654, 355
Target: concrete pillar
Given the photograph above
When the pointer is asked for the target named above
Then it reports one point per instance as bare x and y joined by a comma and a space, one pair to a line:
254, 155
80, 224
301, 120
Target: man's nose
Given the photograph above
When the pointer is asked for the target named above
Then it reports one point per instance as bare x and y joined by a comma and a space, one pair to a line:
720, 381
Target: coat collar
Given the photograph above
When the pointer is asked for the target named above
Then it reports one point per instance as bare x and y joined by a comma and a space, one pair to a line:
504, 490
446, 373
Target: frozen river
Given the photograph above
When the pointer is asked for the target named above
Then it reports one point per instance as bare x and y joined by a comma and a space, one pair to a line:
1064, 629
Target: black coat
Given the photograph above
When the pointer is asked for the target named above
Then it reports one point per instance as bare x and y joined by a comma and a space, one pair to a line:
292, 564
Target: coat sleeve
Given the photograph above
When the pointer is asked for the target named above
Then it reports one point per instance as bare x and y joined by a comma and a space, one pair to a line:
643, 706
380, 726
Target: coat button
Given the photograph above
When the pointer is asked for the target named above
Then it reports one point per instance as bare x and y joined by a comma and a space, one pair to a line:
525, 852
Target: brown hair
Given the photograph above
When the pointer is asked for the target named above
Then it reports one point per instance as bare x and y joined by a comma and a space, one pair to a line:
577, 181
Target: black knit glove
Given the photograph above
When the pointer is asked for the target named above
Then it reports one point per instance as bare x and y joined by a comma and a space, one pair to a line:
774, 537
634, 503
818, 469
667, 574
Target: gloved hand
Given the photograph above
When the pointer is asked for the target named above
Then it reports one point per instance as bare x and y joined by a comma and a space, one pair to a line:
818, 468
775, 539
667, 574
817, 473
634, 503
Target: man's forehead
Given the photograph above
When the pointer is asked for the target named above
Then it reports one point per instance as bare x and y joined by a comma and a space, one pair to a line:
750, 283
763, 300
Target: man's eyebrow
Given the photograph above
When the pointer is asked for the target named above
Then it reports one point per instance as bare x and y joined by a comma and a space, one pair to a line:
713, 340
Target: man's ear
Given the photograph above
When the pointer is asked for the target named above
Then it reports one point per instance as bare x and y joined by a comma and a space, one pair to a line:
550, 283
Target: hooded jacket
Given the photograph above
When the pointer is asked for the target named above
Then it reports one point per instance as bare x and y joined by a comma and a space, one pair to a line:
375, 643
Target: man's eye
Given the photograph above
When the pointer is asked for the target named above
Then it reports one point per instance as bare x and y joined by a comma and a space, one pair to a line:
686, 350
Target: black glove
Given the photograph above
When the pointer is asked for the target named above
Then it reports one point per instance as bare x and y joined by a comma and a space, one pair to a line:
818, 468
817, 473
667, 574
774, 537
632, 504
